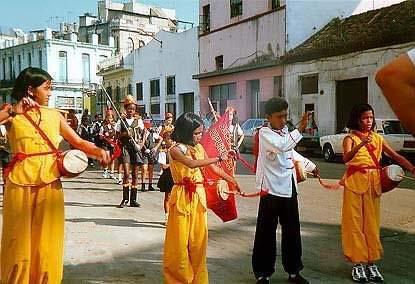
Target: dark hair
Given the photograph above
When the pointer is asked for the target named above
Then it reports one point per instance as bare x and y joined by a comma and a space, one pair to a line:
29, 77
275, 104
184, 127
355, 113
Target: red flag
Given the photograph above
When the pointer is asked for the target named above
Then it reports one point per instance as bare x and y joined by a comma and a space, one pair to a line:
217, 141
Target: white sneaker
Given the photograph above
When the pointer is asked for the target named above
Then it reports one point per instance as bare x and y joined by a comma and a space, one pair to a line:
373, 273
105, 174
359, 273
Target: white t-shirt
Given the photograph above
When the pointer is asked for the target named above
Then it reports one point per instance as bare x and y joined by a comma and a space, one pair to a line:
238, 129
129, 122
162, 158
411, 55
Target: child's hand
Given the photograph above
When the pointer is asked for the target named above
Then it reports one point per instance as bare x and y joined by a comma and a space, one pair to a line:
316, 172
104, 157
366, 139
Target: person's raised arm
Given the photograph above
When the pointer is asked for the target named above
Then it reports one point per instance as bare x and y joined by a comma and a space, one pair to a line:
397, 81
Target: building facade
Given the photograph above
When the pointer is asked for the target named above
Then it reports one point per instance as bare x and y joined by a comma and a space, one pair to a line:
72, 64
241, 43
162, 76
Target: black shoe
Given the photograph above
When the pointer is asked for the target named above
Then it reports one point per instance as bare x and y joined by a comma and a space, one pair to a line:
125, 196
143, 187
262, 280
133, 198
151, 188
298, 279
123, 203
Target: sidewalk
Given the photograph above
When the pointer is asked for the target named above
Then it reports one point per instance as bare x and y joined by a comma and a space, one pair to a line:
105, 244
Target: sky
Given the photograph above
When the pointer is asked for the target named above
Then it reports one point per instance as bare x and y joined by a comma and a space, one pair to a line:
39, 14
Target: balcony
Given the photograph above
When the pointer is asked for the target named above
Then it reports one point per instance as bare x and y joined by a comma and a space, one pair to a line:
115, 63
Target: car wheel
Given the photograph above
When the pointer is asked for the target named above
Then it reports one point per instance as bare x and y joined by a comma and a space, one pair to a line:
328, 153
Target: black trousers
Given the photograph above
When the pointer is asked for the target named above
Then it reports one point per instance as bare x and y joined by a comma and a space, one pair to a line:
274, 210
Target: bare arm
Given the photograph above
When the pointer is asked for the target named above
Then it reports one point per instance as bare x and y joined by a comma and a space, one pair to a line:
398, 158
397, 81
177, 155
73, 138
349, 150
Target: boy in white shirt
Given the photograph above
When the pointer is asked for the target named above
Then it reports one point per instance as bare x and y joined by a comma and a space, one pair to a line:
397, 81
276, 174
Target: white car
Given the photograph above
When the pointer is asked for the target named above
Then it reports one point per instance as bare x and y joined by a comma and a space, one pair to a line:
391, 130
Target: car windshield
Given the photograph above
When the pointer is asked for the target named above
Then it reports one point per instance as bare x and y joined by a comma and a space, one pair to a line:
393, 127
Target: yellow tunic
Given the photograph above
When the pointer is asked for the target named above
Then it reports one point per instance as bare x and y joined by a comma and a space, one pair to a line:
361, 203
33, 206
184, 259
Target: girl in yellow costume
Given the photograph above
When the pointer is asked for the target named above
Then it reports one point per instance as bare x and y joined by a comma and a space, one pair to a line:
185, 245
362, 191
33, 207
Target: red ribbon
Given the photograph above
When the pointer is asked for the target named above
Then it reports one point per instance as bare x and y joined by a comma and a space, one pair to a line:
189, 185
19, 157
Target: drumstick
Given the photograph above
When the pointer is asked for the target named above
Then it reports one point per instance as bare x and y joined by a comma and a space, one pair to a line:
80, 158
410, 178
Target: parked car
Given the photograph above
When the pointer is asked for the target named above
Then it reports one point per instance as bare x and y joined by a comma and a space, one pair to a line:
391, 130
249, 128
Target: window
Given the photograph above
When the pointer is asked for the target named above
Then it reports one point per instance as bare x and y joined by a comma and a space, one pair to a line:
171, 85
40, 59
4, 68
109, 91
223, 92
170, 107
129, 89
139, 91
309, 84
141, 109
236, 8
275, 4
63, 67
29, 59
85, 68
130, 45
277, 86
155, 88
11, 69
19, 63
155, 109
219, 62
205, 19
118, 94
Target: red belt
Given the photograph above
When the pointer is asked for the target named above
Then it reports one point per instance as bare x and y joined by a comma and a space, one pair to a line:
20, 156
354, 169
189, 185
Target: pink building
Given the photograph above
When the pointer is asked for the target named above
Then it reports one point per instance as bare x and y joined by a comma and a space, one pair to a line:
238, 52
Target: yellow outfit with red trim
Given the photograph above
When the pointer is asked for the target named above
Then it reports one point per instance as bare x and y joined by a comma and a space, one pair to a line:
184, 259
361, 206
33, 206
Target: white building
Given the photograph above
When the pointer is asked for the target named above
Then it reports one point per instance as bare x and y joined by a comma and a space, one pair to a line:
71, 63
335, 69
162, 75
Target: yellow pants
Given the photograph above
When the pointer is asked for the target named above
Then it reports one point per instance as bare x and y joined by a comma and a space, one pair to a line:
32, 236
184, 260
361, 226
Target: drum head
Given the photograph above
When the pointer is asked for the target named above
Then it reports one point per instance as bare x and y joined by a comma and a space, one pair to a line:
222, 188
75, 161
395, 172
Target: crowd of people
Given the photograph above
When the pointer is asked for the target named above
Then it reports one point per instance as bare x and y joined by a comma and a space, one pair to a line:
33, 206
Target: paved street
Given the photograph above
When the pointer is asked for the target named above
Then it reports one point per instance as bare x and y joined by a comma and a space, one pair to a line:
105, 244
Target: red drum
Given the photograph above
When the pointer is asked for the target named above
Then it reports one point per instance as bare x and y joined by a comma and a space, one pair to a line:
72, 163
300, 171
390, 177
